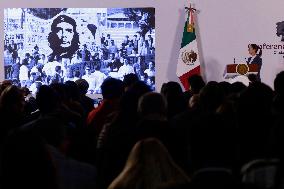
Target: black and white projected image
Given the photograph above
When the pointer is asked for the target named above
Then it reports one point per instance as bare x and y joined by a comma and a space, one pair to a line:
54, 45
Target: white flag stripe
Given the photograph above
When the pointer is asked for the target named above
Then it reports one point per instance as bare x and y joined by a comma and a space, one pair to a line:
182, 68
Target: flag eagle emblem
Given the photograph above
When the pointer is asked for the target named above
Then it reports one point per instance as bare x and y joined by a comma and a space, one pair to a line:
189, 57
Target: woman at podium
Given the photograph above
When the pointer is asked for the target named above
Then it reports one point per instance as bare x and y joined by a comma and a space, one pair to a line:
255, 52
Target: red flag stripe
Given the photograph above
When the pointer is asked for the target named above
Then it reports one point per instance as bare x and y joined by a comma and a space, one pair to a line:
184, 78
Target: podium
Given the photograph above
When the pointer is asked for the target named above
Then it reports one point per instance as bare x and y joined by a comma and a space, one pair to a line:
242, 69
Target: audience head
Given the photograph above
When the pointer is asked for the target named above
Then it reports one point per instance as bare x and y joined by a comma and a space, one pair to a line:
72, 90
256, 99
112, 88
12, 101
151, 104
47, 99
129, 101
129, 80
211, 97
171, 89
174, 96
83, 86
5, 84
238, 87
226, 87
60, 91
196, 83
149, 165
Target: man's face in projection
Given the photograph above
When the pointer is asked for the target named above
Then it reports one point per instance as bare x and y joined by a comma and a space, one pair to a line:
65, 33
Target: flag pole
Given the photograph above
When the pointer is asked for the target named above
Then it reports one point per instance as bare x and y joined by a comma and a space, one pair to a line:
188, 61
190, 21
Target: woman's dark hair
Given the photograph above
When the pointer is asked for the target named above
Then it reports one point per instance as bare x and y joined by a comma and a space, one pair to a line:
54, 41
256, 48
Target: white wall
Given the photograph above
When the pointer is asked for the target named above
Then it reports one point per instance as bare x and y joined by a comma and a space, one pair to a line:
225, 29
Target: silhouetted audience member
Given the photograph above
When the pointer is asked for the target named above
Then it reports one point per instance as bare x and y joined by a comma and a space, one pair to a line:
277, 135
117, 137
5, 84
237, 87
26, 162
150, 166
153, 122
175, 98
129, 101
59, 136
129, 80
212, 143
69, 110
47, 100
254, 121
211, 132
211, 97
196, 83
278, 102
153, 106
226, 88
112, 90
73, 99
12, 105
86, 102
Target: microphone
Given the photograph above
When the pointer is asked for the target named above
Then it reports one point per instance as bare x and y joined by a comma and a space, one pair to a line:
234, 60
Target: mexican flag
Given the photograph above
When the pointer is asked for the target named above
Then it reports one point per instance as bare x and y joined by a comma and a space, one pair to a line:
188, 61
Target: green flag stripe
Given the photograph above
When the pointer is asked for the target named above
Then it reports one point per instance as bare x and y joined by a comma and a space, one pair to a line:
187, 36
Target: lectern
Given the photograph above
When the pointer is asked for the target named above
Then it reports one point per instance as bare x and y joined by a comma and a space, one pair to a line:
233, 70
